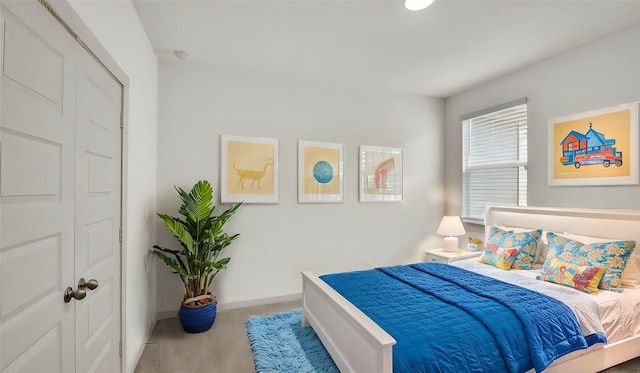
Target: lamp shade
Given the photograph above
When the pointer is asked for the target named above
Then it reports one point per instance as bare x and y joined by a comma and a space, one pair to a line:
451, 226
417, 4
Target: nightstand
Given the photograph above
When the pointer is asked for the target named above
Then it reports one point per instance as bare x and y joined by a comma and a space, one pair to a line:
439, 256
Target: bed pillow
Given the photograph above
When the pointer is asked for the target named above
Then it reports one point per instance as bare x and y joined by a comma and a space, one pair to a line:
630, 276
587, 240
544, 251
526, 240
631, 273
544, 248
611, 255
498, 257
540, 241
580, 277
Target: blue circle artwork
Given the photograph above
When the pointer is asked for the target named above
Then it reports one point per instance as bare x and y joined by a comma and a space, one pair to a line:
323, 172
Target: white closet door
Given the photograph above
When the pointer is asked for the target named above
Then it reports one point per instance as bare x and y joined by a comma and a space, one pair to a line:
37, 125
98, 218
59, 200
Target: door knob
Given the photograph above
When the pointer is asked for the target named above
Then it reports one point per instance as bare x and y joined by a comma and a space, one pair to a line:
91, 284
75, 294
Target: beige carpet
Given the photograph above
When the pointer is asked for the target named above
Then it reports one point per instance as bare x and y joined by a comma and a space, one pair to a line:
222, 349
225, 348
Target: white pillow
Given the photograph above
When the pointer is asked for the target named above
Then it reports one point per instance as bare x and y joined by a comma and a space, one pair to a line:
544, 248
587, 240
631, 275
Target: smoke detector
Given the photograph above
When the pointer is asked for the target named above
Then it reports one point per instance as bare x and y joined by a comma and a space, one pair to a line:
181, 54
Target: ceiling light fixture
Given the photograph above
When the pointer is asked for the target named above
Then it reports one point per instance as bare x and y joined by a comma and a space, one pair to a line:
181, 54
417, 4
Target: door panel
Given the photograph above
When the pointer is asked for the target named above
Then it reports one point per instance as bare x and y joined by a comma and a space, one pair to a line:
99, 180
99, 241
44, 353
37, 129
39, 256
35, 64
38, 171
60, 146
98, 217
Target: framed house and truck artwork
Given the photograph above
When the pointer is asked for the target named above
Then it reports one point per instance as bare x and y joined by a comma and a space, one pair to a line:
599, 147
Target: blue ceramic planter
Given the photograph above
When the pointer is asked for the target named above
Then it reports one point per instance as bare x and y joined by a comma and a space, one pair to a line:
198, 319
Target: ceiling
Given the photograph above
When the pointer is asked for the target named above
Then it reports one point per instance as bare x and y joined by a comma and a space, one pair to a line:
445, 49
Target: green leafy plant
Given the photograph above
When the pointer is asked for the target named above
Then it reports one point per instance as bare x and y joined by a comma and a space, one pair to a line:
202, 239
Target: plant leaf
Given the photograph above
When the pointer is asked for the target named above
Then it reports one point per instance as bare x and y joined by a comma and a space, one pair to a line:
197, 208
174, 265
177, 254
180, 232
202, 194
220, 264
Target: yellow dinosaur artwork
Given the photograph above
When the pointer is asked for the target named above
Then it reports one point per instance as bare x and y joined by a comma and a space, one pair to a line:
254, 175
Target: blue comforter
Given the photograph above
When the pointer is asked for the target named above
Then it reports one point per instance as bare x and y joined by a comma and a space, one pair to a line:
447, 319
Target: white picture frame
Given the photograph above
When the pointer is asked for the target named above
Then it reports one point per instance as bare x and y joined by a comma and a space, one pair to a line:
248, 169
320, 172
381, 174
598, 147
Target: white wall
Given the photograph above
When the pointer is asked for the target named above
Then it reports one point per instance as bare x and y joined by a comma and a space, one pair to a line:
277, 241
598, 75
117, 27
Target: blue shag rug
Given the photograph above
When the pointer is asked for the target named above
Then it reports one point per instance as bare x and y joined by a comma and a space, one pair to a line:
280, 344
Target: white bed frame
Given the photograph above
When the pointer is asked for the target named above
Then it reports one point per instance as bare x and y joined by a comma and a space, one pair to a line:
359, 345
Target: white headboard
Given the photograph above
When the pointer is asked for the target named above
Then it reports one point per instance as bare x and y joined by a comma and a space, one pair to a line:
617, 224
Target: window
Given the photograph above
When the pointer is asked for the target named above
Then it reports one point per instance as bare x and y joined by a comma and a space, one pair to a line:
494, 159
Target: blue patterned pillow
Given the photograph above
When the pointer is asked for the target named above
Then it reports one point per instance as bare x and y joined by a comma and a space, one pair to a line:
613, 256
527, 241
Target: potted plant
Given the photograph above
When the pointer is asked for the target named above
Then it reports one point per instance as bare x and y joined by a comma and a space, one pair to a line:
202, 238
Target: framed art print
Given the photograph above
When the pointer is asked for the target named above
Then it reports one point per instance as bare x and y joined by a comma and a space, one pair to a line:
320, 172
248, 169
380, 174
598, 147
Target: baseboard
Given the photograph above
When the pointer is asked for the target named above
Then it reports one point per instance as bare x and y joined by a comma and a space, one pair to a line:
259, 302
166, 314
136, 357
242, 304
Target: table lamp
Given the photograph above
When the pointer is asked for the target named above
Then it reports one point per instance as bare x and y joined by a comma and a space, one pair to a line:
450, 226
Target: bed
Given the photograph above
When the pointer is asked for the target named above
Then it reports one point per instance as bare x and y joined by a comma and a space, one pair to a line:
357, 344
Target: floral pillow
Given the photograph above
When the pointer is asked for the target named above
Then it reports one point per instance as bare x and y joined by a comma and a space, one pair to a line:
613, 256
631, 274
580, 277
498, 257
527, 241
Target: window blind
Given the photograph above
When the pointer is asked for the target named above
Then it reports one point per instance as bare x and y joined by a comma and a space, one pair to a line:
494, 160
